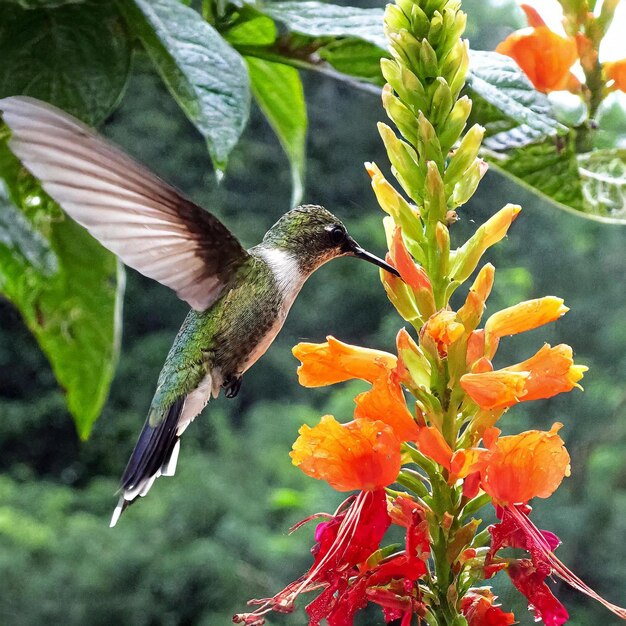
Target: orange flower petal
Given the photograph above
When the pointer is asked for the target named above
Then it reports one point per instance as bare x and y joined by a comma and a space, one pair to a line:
525, 316
543, 56
552, 371
520, 467
385, 402
362, 454
498, 389
412, 274
431, 443
334, 361
443, 329
616, 71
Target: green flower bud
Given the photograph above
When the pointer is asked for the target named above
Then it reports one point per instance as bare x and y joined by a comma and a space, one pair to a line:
435, 32
435, 205
405, 163
454, 23
420, 23
441, 104
450, 130
406, 48
464, 156
408, 87
466, 187
428, 64
428, 146
395, 19
400, 115
458, 82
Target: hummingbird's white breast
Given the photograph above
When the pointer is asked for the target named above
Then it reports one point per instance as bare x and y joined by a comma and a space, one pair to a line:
289, 280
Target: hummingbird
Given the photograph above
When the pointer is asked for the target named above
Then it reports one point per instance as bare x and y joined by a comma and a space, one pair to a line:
239, 298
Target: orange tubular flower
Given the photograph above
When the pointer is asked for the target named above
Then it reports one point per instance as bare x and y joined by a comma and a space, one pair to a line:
361, 455
385, 402
549, 372
552, 371
544, 56
616, 71
443, 329
498, 389
520, 467
334, 362
525, 316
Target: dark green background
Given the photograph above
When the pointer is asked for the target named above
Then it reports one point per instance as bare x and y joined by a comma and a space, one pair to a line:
205, 541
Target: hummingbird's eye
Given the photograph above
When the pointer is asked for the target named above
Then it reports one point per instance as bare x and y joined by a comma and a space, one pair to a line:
337, 235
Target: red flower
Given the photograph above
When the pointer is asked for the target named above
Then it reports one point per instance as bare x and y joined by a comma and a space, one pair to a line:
478, 607
516, 530
541, 601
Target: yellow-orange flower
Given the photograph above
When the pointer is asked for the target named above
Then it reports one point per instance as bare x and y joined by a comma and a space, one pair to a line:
443, 329
520, 467
334, 362
544, 56
616, 71
525, 316
549, 372
552, 371
385, 402
362, 454
497, 389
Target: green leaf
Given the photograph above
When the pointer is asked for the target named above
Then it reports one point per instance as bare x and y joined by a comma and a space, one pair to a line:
513, 113
205, 75
67, 288
319, 19
603, 174
277, 89
251, 28
548, 168
76, 56
355, 58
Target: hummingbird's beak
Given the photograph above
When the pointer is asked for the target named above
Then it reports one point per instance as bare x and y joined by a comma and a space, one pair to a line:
352, 248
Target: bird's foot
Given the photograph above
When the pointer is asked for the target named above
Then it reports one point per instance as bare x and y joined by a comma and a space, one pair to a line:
232, 385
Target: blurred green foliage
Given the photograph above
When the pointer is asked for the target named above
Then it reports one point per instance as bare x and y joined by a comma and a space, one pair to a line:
205, 541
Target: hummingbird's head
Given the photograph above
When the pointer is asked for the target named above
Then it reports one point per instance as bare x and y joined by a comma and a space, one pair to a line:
314, 236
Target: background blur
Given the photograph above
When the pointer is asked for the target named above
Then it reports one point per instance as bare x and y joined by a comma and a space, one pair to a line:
205, 541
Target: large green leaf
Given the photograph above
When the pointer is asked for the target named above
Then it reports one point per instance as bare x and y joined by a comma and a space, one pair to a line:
66, 286
277, 89
506, 104
319, 19
205, 75
76, 56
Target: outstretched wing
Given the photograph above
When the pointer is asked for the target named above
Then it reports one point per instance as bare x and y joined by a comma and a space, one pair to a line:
146, 222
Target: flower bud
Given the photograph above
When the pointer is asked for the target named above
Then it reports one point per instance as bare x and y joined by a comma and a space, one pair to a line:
441, 104
435, 207
397, 207
399, 114
466, 257
453, 126
464, 156
404, 160
428, 145
428, 65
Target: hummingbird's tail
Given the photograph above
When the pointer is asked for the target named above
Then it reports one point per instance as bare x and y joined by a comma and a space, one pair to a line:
155, 454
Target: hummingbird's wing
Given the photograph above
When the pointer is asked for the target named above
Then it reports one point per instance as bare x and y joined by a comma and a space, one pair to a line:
150, 225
